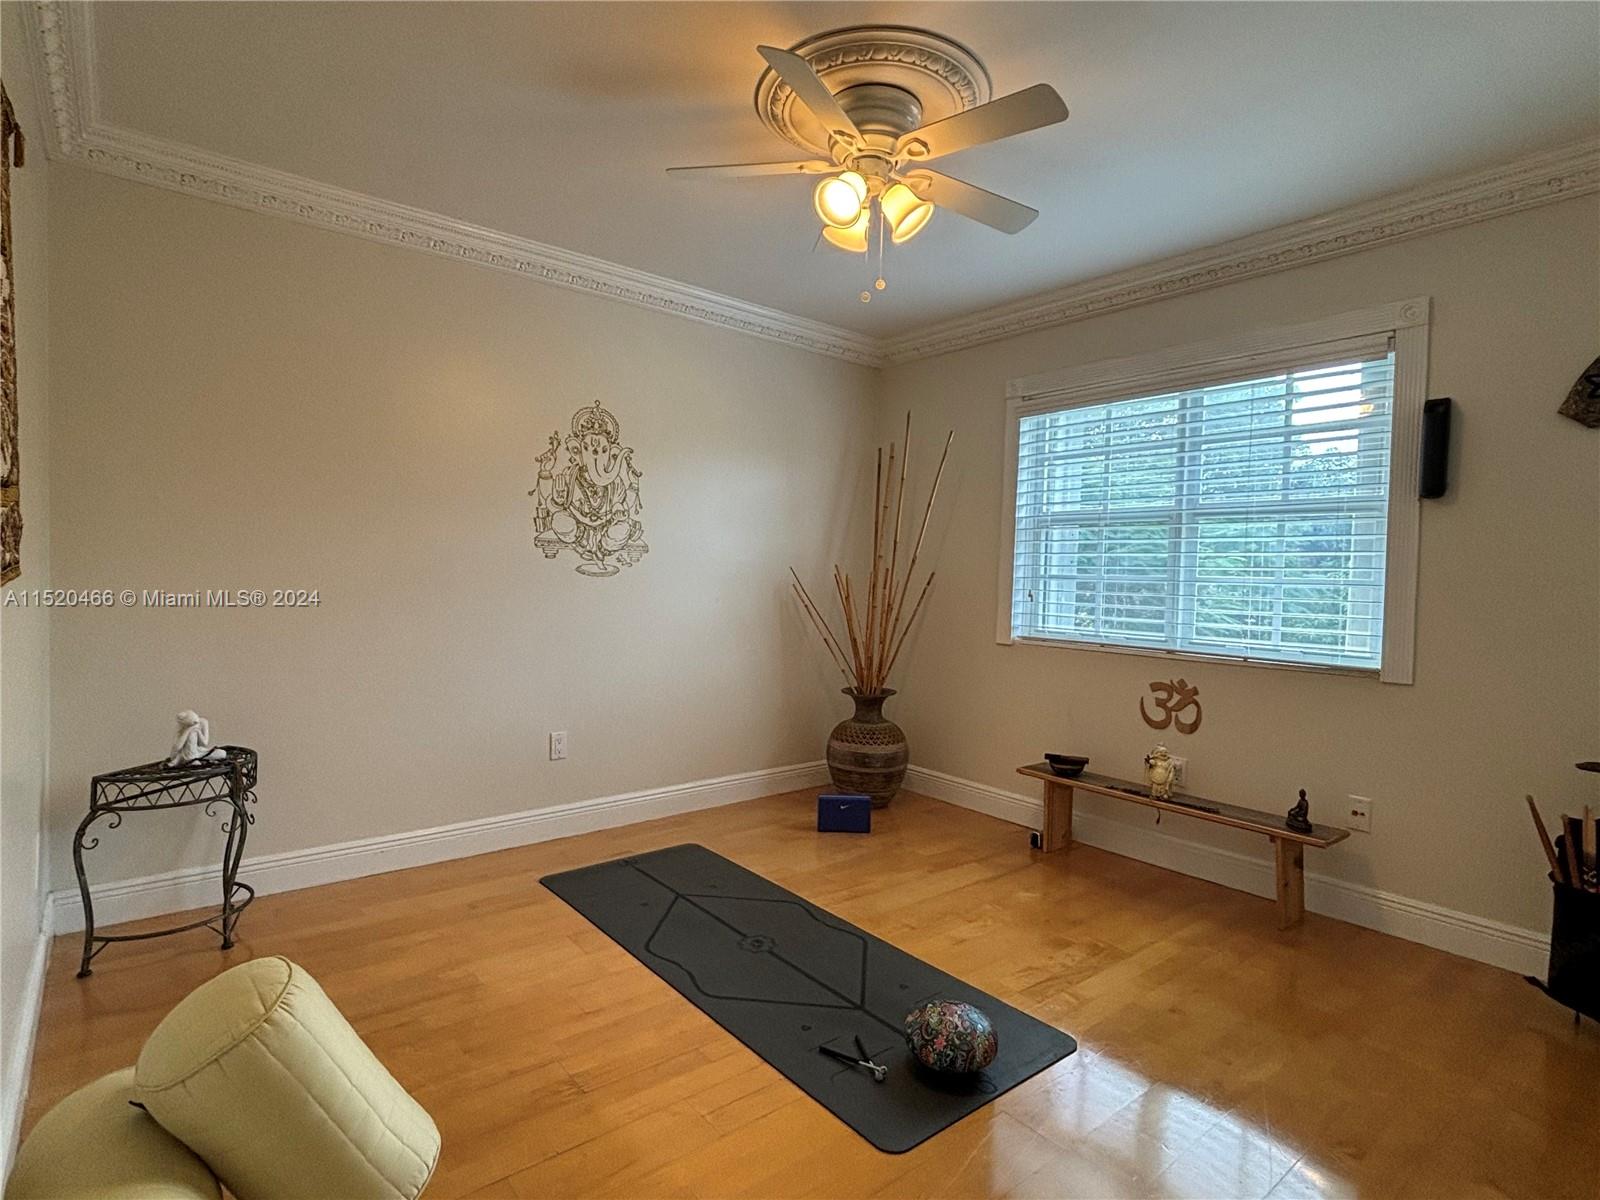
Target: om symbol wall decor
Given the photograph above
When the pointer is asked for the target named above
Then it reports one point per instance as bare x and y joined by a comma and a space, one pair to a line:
1173, 698
590, 504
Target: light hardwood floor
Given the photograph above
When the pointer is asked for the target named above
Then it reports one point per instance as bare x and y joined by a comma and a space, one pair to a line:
1219, 1057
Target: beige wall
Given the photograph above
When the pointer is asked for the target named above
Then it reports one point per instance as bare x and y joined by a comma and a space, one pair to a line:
251, 403
247, 402
1508, 631
24, 633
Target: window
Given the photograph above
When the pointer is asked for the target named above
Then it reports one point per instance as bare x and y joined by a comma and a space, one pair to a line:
1234, 505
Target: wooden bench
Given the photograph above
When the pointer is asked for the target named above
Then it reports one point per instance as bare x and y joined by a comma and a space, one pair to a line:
1289, 846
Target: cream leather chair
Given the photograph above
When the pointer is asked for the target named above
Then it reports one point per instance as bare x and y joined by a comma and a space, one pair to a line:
95, 1144
255, 1080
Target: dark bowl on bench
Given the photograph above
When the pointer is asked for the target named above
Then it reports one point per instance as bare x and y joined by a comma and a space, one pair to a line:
1068, 766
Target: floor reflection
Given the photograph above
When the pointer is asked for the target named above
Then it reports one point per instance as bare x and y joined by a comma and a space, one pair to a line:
1127, 1134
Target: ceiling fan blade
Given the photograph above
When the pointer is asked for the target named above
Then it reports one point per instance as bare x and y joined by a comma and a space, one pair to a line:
1031, 108
813, 93
815, 166
970, 201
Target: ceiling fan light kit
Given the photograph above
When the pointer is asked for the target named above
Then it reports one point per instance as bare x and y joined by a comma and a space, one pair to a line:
905, 211
841, 199
853, 237
878, 102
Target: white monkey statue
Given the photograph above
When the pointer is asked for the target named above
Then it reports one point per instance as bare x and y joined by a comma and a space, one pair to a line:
193, 742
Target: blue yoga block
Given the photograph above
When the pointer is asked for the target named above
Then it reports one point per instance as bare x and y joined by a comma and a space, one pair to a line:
844, 814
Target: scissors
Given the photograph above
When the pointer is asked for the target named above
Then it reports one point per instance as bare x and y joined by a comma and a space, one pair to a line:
879, 1071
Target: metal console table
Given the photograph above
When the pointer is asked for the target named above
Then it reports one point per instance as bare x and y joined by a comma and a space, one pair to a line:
150, 787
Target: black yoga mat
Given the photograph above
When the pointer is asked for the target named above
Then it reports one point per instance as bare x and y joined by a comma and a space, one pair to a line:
785, 977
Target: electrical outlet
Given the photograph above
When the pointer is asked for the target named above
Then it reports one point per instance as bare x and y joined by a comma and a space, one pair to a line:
1358, 813
1180, 771
558, 746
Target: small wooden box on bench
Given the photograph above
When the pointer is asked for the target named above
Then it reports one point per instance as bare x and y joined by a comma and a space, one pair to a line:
1288, 844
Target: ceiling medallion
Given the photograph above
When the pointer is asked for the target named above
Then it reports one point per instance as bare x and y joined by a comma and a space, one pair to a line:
874, 105
934, 76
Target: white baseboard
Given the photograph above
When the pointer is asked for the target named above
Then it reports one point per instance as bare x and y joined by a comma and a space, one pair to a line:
196, 887
20, 1067
1525, 951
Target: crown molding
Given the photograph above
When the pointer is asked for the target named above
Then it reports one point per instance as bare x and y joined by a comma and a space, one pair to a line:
1526, 183
53, 41
248, 185
62, 40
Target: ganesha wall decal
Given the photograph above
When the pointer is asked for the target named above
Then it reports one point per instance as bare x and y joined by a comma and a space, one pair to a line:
590, 503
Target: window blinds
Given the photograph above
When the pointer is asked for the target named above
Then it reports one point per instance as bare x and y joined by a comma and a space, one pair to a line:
1244, 518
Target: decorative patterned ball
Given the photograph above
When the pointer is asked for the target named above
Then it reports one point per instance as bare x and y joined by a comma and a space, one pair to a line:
951, 1036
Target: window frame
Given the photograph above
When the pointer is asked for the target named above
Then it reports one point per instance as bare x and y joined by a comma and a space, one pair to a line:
1405, 323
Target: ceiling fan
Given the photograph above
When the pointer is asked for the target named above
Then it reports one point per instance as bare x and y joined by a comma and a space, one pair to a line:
875, 138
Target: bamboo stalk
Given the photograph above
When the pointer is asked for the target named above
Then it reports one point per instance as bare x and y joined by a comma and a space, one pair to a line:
896, 599
831, 654
879, 491
878, 632
884, 592
823, 628
821, 623
856, 614
841, 583
827, 629
916, 608
894, 554
916, 551
932, 495
872, 575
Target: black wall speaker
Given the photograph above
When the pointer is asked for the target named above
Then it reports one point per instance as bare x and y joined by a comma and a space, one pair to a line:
1435, 448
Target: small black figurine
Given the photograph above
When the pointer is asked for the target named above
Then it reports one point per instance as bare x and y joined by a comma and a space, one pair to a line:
1297, 819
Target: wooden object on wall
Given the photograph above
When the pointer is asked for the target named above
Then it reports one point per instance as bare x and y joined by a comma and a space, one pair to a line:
1172, 697
12, 151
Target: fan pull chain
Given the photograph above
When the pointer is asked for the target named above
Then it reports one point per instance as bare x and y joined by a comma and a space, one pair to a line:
866, 296
880, 283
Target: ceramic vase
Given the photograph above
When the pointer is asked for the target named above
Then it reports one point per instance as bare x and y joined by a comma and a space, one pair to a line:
867, 753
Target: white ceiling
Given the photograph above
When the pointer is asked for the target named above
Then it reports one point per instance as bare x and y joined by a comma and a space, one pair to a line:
1191, 123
